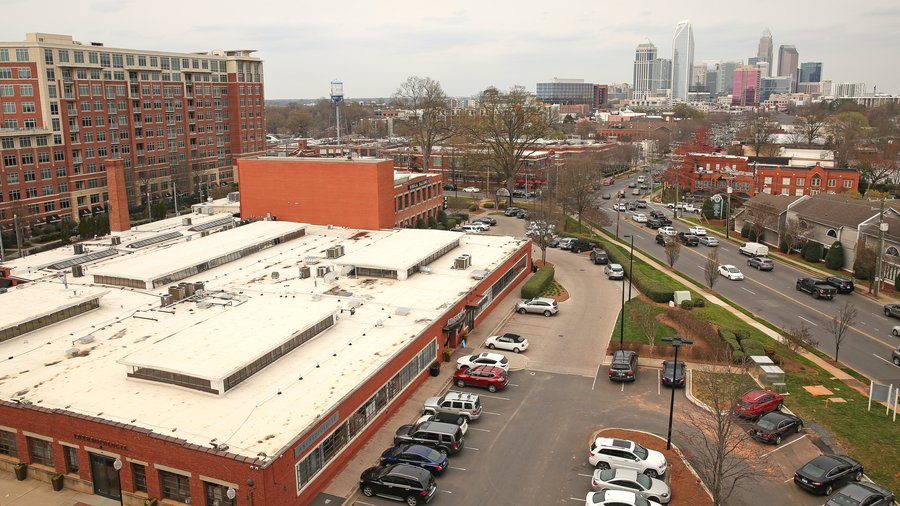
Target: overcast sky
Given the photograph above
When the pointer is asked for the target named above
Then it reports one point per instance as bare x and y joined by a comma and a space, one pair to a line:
372, 46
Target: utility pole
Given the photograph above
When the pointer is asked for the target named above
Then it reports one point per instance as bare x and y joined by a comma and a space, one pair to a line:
882, 228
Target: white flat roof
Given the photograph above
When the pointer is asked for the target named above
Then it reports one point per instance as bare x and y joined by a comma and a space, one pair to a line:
183, 255
29, 301
400, 249
245, 309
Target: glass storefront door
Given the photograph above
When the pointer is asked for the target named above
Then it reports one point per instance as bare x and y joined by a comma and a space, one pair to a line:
105, 476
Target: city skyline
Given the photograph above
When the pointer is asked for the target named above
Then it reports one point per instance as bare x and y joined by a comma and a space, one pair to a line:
372, 48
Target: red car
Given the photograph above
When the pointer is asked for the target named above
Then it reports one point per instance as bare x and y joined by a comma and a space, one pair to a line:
757, 403
484, 376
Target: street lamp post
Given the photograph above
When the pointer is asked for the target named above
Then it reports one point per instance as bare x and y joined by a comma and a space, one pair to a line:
677, 342
630, 265
618, 203
728, 191
117, 465
622, 323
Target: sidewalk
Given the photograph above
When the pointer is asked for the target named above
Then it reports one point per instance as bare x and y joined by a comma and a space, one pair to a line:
346, 483
31, 492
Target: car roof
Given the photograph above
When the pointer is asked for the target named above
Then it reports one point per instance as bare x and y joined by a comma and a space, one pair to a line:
463, 396
487, 354
610, 442
860, 490
417, 449
544, 299
615, 266
410, 471
776, 416
487, 368
755, 394
828, 462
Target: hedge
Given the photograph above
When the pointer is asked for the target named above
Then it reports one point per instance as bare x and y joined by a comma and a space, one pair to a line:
535, 286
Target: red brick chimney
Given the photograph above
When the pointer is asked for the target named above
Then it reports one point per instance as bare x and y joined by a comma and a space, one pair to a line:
118, 196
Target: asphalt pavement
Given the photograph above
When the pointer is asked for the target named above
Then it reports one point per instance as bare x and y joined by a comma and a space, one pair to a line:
773, 297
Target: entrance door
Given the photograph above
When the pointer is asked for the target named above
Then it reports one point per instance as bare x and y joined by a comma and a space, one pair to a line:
106, 478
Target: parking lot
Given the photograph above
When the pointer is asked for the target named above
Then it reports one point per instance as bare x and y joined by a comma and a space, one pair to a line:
531, 444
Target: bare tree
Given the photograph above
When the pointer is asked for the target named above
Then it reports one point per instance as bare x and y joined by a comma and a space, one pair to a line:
793, 233
759, 131
711, 267
844, 131
544, 224
508, 126
430, 122
797, 338
760, 217
597, 218
809, 125
575, 185
645, 318
839, 324
673, 250
716, 440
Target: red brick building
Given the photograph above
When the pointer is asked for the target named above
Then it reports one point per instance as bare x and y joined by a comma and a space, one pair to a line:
175, 119
358, 193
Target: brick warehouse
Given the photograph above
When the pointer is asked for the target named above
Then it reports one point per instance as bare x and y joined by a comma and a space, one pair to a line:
359, 193
208, 358
176, 120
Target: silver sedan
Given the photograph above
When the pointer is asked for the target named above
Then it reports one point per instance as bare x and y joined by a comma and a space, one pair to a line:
630, 480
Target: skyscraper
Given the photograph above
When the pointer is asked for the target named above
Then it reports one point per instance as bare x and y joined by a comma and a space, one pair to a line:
682, 60
746, 86
764, 54
726, 76
811, 72
644, 68
788, 59
662, 75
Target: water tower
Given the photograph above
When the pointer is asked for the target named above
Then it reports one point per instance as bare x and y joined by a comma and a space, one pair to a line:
337, 96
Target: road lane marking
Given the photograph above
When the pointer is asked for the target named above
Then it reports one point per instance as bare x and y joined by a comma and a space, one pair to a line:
789, 479
886, 361
579, 499
588, 475
490, 413
365, 503
751, 293
782, 446
808, 321
458, 468
511, 385
470, 448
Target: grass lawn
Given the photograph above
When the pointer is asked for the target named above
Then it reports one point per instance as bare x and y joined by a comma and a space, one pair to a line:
633, 333
701, 380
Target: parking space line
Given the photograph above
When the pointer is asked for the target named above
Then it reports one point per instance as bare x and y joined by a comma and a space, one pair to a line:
476, 428
623, 386
445, 491
751, 293
490, 413
658, 382
469, 447
886, 361
579, 499
495, 397
586, 475
365, 503
511, 385
458, 468
764, 455
789, 479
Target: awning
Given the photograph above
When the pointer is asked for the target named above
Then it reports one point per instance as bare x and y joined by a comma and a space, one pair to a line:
455, 321
84, 212
98, 210
53, 218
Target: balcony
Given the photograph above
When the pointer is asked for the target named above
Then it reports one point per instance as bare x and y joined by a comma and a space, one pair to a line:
114, 125
77, 159
136, 108
72, 112
137, 124
24, 131
69, 96
74, 128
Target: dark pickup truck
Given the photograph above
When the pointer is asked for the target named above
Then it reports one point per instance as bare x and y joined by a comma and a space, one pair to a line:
818, 288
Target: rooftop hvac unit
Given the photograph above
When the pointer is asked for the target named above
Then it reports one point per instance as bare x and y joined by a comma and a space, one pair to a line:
165, 300
479, 274
177, 292
115, 240
311, 260
426, 269
203, 233
234, 197
322, 270
77, 271
186, 221
335, 251
79, 249
304, 272
188, 288
401, 311
462, 262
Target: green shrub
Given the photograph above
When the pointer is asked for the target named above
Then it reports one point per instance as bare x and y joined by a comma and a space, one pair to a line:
488, 205
451, 222
745, 230
812, 251
502, 206
442, 217
686, 304
473, 207
460, 217
741, 334
699, 303
737, 357
782, 247
834, 259
864, 265
538, 283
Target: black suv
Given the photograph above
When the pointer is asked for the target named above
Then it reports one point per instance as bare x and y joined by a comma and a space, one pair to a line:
662, 239
688, 239
599, 257
843, 285
579, 245
401, 482
653, 223
624, 366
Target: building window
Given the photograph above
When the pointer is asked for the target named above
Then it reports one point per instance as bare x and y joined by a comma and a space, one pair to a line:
801, 181
139, 477
848, 183
767, 180
216, 495
21, 54
815, 181
832, 183
798, 192
8, 444
831, 233
175, 486
71, 459
39, 451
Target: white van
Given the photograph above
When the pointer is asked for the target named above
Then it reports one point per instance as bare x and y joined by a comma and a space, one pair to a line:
754, 249
472, 229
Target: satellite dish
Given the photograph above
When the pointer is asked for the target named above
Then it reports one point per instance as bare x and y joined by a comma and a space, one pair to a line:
346, 270
331, 277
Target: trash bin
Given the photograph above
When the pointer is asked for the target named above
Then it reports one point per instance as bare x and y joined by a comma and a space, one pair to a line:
434, 369
534, 268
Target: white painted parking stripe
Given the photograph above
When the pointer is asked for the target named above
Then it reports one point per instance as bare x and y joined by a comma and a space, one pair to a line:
490, 413
476, 428
579, 499
365, 503
511, 385
458, 468
446, 491
495, 397
804, 319
588, 475
782, 446
469, 447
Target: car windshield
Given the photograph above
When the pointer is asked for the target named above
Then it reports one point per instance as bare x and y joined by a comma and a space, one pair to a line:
433, 455
765, 424
644, 480
641, 452
813, 471
843, 500
504, 360
732, 269
607, 474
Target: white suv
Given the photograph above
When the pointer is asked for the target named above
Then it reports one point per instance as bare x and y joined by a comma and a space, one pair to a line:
541, 305
607, 453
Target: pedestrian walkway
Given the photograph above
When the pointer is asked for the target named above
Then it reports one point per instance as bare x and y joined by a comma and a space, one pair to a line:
33, 492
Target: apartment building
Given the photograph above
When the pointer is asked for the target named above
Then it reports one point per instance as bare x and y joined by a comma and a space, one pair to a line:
178, 120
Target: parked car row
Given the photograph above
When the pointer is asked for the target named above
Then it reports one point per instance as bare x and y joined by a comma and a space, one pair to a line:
626, 474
